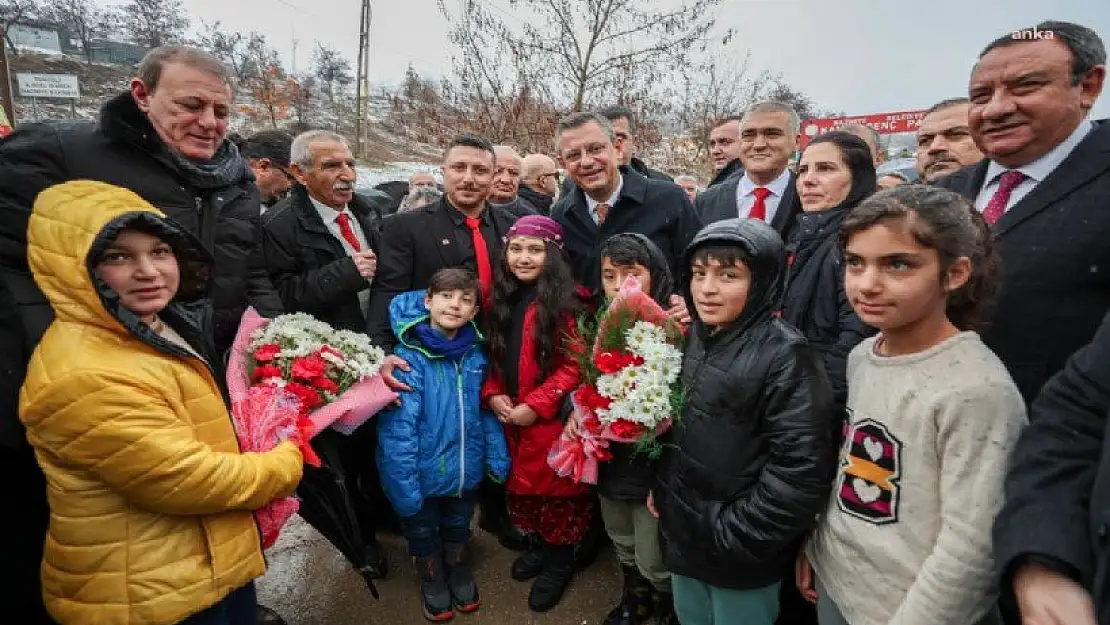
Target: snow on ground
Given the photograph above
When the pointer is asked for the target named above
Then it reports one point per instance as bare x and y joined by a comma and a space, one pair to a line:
369, 177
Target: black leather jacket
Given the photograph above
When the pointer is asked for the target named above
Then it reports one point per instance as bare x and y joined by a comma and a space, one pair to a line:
751, 461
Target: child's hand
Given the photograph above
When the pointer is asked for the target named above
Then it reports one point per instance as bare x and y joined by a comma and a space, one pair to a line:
501, 405
388, 365
523, 416
572, 429
678, 310
803, 577
651, 504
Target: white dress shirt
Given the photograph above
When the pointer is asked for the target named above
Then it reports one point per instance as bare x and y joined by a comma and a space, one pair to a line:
1035, 172
591, 204
331, 220
745, 195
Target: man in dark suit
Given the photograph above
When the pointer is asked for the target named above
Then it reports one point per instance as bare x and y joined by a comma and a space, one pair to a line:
610, 199
724, 149
418, 243
460, 230
319, 244
1044, 186
766, 190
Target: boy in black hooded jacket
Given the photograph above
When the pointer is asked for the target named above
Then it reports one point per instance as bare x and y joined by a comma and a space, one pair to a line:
625, 481
750, 462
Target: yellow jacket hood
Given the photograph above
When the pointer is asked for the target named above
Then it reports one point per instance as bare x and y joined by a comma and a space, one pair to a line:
71, 225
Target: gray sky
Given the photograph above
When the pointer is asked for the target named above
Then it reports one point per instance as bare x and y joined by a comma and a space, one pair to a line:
857, 56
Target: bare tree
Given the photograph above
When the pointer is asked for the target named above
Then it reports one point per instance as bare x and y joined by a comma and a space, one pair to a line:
11, 12
271, 89
578, 48
229, 47
153, 23
85, 20
333, 70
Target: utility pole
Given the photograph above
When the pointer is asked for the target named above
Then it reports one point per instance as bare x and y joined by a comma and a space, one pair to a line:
7, 108
362, 79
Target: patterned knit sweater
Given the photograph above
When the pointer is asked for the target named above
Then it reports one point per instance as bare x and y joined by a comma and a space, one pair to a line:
906, 539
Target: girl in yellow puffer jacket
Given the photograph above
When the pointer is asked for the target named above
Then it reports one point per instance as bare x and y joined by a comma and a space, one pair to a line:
150, 496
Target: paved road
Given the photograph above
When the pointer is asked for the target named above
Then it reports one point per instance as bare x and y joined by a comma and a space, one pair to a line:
309, 583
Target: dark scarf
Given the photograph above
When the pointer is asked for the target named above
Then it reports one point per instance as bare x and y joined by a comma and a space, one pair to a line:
541, 201
224, 169
435, 341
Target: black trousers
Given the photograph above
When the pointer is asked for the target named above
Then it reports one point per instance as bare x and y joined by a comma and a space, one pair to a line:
22, 537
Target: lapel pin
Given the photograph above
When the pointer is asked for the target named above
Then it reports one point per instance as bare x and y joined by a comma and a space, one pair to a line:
445, 242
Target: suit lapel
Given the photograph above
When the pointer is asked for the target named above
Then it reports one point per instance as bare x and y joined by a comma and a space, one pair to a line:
1089, 159
442, 230
787, 210
312, 223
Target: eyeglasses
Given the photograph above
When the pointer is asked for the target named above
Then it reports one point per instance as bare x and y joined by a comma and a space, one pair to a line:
288, 176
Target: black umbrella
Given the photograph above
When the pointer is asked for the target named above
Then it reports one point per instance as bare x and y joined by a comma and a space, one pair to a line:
327, 505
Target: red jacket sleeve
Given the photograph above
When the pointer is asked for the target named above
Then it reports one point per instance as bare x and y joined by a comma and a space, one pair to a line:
547, 398
492, 387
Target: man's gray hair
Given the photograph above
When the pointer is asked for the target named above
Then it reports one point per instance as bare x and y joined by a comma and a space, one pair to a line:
150, 68
300, 153
579, 119
775, 107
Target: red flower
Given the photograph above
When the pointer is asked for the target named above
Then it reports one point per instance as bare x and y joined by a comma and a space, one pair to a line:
266, 372
592, 425
591, 399
309, 367
627, 429
610, 362
310, 399
328, 349
603, 455
325, 384
267, 352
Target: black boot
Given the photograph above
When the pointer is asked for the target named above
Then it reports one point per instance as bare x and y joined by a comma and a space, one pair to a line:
552, 582
464, 592
376, 563
266, 616
435, 594
637, 605
664, 608
530, 563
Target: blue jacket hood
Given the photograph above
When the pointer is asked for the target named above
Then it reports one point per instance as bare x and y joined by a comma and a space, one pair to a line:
408, 309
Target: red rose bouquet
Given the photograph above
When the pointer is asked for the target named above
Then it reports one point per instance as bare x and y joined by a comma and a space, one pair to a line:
292, 376
630, 392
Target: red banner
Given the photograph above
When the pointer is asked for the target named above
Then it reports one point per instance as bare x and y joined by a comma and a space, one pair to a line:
883, 123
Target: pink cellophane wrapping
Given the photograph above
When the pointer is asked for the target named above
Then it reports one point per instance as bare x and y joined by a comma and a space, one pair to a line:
265, 415
578, 456
354, 407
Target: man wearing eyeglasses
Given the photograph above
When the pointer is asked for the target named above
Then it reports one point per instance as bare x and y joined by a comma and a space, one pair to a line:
268, 155
539, 181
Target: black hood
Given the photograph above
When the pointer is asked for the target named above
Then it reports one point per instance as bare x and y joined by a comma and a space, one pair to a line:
662, 282
768, 266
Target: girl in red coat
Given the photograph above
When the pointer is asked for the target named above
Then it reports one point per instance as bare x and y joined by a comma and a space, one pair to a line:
531, 332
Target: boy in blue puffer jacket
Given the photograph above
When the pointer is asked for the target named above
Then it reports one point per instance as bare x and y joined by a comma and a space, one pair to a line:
435, 448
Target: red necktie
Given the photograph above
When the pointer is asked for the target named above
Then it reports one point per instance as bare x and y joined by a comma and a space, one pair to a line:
997, 206
344, 221
481, 256
759, 209
602, 211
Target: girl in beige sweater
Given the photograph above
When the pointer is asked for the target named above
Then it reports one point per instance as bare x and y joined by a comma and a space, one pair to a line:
933, 415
